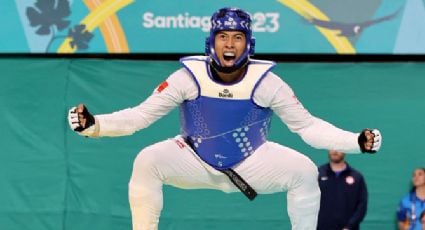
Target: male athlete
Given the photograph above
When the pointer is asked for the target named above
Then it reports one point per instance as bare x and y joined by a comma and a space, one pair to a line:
226, 101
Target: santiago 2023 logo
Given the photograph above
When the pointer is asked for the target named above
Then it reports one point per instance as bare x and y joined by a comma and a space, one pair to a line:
261, 21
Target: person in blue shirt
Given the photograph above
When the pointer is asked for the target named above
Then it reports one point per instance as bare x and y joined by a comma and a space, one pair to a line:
413, 204
344, 195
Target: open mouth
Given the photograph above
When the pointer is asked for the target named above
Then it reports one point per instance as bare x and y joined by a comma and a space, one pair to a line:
229, 56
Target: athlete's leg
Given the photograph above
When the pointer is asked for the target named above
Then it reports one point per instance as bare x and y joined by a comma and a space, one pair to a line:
168, 162
275, 168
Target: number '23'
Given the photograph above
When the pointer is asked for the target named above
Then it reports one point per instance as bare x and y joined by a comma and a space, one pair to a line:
265, 22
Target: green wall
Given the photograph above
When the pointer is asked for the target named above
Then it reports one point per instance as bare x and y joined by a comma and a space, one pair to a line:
53, 179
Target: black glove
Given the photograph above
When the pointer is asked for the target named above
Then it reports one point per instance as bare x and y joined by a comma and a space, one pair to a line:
76, 119
376, 141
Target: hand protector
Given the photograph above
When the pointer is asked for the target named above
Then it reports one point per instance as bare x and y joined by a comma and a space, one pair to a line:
376, 140
75, 118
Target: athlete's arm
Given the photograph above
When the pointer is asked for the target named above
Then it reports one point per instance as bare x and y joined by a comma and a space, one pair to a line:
273, 92
178, 87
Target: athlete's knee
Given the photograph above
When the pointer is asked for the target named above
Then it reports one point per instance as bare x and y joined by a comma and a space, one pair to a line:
145, 181
148, 159
146, 170
307, 171
312, 171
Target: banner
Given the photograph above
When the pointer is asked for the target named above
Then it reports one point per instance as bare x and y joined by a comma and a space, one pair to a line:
160, 26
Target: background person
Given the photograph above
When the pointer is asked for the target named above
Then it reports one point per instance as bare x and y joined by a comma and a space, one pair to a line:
413, 204
343, 202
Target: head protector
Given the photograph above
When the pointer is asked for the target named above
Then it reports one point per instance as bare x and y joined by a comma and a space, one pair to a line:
230, 19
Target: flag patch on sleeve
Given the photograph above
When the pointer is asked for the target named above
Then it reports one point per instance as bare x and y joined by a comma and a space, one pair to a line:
162, 86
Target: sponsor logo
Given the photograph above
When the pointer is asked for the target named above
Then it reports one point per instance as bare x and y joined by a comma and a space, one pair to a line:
219, 156
230, 23
180, 144
225, 94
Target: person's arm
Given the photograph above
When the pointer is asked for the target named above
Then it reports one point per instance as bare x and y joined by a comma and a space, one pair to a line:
276, 94
177, 88
361, 206
402, 220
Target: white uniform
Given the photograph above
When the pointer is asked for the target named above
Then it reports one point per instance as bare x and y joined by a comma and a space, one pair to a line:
173, 162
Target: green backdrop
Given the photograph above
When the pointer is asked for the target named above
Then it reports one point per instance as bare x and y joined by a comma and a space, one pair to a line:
53, 179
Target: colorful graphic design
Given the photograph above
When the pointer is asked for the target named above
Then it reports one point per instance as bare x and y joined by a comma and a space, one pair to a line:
160, 26
111, 30
339, 29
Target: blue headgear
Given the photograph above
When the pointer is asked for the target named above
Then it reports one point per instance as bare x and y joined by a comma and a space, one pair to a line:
230, 19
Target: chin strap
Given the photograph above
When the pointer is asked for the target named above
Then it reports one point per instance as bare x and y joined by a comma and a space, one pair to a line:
231, 69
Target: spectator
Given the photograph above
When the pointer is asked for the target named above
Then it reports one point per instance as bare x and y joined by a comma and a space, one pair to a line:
343, 202
413, 204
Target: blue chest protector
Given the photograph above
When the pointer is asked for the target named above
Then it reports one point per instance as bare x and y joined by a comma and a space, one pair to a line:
223, 124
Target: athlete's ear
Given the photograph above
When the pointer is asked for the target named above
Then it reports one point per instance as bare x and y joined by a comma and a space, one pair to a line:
207, 46
252, 46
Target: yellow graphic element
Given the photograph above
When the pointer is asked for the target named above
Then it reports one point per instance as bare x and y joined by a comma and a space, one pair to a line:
95, 18
308, 11
111, 30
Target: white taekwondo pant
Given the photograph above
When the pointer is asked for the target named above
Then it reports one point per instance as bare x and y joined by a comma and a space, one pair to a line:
272, 168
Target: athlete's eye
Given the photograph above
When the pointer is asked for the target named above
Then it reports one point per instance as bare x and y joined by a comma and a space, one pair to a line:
222, 36
239, 37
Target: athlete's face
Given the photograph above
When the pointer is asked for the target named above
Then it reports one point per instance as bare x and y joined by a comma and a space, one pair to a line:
418, 178
336, 157
229, 46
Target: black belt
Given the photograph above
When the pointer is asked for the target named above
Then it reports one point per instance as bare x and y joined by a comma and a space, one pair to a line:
239, 182
236, 179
